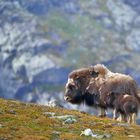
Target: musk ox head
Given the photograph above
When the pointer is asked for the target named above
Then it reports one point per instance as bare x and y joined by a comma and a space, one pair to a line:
78, 81
76, 85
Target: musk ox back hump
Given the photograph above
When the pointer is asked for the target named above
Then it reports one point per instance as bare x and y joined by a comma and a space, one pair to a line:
119, 83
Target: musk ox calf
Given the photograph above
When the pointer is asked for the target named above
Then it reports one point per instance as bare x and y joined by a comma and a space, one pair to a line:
126, 105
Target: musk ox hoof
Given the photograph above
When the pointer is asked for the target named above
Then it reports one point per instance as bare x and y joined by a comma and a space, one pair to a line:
115, 119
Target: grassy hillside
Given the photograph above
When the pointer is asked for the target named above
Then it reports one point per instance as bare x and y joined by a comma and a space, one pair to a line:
22, 121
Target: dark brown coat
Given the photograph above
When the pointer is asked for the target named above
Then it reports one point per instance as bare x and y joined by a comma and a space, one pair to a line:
109, 82
75, 89
76, 85
106, 82
126, 105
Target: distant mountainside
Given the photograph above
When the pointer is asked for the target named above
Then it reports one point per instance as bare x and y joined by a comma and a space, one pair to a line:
41, 41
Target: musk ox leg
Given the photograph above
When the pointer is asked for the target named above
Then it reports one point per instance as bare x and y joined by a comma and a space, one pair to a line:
121, 118
129, 119
115, 114
124, 118
102, 112
134, 118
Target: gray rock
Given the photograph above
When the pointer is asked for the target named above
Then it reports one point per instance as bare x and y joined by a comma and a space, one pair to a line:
54, 103
104, 136
88, 132
120, 14
121, 124
12, 112
49, 113
65, 117
133, 40
56, 132
134, 4
33, 64
70, 120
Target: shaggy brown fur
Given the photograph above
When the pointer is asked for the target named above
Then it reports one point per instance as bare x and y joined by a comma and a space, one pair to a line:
104, 81
99, 69
119, 84
114, 82
94, 89
75, 89
76, 85
109, 82
81, 77
126, 105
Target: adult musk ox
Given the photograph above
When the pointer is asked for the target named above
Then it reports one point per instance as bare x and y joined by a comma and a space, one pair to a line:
75, 89
106, 82
126, 105
76, 85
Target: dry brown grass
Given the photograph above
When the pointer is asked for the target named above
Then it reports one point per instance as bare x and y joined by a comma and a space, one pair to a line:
20, 121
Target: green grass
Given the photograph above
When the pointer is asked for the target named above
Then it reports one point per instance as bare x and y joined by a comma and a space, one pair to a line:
21, 121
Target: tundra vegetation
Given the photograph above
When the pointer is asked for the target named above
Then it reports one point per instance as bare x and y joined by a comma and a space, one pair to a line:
25, 121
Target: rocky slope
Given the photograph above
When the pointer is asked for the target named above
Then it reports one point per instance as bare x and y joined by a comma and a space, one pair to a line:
42, 41
20, 121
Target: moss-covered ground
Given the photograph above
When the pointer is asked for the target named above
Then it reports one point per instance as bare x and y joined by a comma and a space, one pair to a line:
24, 121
